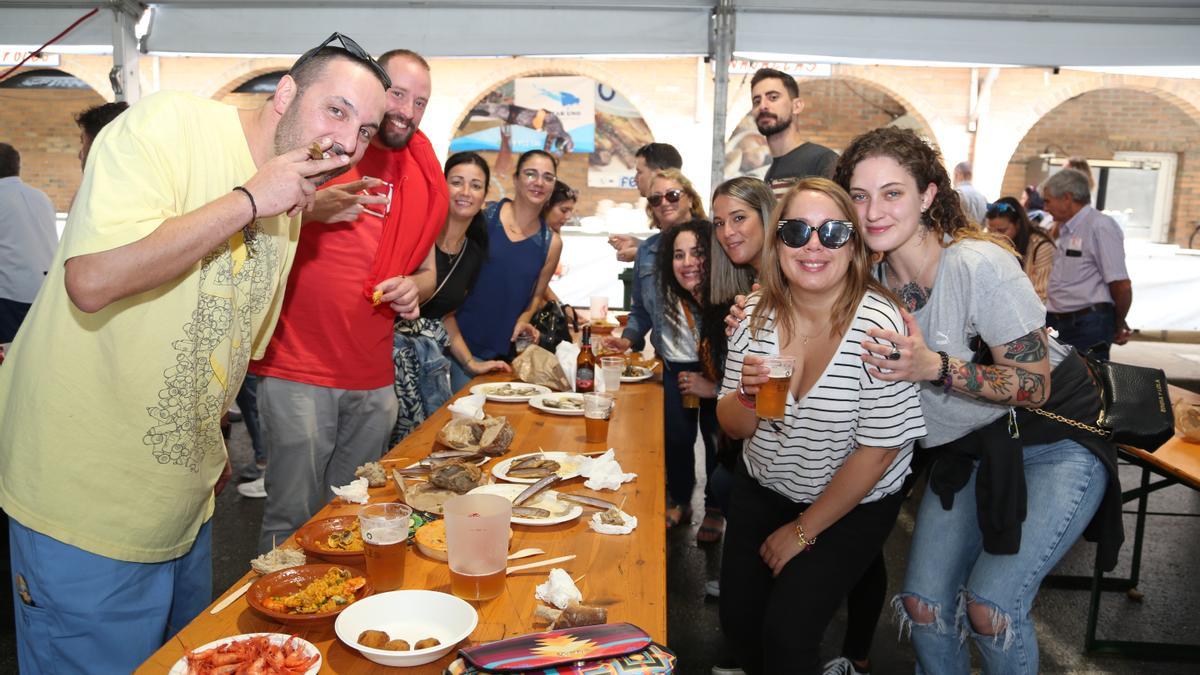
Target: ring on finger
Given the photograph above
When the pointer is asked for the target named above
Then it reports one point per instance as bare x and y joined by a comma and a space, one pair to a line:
894, 355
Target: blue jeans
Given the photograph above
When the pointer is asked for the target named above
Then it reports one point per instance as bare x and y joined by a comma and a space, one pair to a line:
1093, 331
964, 587
247, 402
679, 429
86, 613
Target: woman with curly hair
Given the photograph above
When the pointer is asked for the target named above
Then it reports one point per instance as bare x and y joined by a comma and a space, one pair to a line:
1009, 491
1007, 219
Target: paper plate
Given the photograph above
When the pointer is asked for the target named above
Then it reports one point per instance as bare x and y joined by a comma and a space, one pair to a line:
540, 400
646, 374
561, 512
487, 388
180, 667
568, 466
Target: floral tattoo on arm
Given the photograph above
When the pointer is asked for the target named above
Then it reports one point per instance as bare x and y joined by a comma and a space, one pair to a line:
1004, 383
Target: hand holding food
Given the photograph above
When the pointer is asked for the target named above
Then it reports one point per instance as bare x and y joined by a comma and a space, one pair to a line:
288, 183
344, 203
401, 294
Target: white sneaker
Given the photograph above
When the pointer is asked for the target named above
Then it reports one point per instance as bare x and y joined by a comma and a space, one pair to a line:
843, 666
713, 588
255, 489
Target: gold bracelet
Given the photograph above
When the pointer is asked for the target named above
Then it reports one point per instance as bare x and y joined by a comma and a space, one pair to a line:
805, 542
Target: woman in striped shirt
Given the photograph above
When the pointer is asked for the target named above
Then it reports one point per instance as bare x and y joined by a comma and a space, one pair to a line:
833, 467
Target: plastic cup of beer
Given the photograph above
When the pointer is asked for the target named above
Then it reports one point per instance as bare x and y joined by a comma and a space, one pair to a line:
477, 531
610, 369
597, 411
385, 538
598, 308
771, 402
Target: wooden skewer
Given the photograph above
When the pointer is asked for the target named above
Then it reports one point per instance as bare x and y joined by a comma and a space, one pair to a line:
543, 563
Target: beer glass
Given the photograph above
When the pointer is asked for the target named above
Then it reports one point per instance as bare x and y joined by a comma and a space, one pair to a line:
385, 538
771, 403
477, 528
597, 410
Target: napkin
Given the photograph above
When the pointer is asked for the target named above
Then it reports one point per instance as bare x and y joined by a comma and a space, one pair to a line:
558, 590
355, 492
567, 353
468, 407
604, 528
603, 472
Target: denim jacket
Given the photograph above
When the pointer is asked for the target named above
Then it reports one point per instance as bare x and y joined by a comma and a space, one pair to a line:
647, 310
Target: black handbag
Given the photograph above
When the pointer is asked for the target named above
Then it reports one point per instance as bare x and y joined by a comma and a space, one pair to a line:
552, 323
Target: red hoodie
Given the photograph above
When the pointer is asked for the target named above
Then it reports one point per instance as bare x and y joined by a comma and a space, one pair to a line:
329, 333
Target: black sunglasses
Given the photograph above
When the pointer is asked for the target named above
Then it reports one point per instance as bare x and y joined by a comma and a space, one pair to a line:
996, 209
670, 195
353, 49
796, 232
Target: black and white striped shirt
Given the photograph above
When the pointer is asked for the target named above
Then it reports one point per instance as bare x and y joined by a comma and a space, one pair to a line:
844, 409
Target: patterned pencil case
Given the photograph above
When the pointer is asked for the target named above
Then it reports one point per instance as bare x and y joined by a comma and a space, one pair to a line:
607, 649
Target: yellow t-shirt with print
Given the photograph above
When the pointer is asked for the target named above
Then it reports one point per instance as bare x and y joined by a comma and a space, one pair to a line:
110, 422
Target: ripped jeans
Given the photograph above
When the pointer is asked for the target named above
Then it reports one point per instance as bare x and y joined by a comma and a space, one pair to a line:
972, 593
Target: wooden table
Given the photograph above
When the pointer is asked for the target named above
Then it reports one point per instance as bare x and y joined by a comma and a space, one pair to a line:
626, 574
1176, 462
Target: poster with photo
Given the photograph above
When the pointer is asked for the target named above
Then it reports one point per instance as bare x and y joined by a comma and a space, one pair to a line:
620, 131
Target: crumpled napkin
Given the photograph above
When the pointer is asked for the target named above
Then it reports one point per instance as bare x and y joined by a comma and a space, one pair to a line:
567, 353
355, 492
468, 407
604, 528
603, 472
558, 590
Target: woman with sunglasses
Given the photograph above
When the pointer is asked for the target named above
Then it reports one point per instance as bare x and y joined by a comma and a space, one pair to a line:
672, 201
1036, 493
521, 257
422, 369
1007, 219
817, 492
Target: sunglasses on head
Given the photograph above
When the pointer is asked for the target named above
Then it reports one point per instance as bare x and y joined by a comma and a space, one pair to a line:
996, 209
353, 49
670, 195
796, 232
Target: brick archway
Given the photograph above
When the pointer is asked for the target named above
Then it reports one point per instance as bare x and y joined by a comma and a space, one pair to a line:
223, 83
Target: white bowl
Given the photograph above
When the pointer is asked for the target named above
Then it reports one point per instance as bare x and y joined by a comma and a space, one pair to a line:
408, 615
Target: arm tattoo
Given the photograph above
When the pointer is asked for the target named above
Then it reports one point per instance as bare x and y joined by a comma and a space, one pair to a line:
1030, 387
913, 295
976, 376
1027, 349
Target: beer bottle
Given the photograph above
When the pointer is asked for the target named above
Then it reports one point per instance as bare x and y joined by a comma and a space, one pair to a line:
585, 364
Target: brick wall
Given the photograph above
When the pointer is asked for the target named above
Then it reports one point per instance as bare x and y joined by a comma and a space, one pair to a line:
1100, 123
40, 124
837, 110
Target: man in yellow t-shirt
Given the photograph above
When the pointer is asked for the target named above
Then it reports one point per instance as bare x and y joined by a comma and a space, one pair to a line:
169, 279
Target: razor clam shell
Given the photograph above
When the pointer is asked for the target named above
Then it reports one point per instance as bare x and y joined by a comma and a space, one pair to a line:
529, 492
420, 470
532, 472
530, 512
594, 502
522, 461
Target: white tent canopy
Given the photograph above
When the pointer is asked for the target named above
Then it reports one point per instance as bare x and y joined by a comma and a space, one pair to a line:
1015, 32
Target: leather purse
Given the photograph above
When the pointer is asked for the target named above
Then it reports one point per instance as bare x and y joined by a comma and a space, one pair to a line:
553, 325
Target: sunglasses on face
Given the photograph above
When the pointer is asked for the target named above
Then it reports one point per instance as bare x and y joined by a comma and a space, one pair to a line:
796, 232
670, 195
351, 48
996, 209
531, 176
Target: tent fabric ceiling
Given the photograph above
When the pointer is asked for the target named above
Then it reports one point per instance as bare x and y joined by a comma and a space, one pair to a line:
1055, 32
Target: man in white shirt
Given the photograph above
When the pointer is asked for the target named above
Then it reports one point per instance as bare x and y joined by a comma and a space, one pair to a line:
973, 202
27, 242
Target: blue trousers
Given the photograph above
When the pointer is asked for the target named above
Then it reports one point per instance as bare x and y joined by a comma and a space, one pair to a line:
78, 612
1093, 331
679, 428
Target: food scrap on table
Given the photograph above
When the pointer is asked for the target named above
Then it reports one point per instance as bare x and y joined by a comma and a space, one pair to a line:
573, 616
334, 590
278, 559
613, 521
373, 472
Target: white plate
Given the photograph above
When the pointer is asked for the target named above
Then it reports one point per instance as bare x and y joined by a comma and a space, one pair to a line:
486, 389
568, 466
408, 615
180, 667
646, 374
539, 402
560, 512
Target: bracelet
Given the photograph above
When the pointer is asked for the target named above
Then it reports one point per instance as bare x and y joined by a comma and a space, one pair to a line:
247, 233
748, 401
943, 377
805, 542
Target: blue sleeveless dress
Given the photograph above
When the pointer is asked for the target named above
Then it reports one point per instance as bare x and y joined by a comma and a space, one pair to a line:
503, 289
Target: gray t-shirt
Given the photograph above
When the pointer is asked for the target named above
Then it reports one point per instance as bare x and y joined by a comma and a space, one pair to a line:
981, 290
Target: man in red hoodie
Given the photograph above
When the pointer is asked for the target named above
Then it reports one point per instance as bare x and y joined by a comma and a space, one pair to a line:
325, 395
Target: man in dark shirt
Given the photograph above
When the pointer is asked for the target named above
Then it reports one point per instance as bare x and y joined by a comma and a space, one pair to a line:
777, 106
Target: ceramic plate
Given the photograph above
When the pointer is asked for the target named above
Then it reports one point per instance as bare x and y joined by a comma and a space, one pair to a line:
646, 374
488, 388
568, 466
560, 512
180, 667
540, 402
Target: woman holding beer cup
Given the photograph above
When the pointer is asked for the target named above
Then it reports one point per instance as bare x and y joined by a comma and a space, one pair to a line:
819, 485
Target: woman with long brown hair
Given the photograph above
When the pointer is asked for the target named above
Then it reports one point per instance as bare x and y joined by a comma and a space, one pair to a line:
832, 468
1007, 218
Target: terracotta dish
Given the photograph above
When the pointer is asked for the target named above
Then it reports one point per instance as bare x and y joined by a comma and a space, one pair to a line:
313, 537
291, 580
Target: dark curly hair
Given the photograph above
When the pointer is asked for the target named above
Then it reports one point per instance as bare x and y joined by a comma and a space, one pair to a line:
924, 163
670, 288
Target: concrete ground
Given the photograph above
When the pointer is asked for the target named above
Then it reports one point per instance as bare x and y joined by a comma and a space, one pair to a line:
1170, 565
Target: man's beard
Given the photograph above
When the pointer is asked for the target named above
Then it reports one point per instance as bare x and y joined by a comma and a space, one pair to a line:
395, 139
770, 130
289, 136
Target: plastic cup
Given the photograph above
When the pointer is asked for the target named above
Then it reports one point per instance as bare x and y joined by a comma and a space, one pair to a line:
771, 402
598, 308
597, 411
385, 539
610, 372
477, 531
